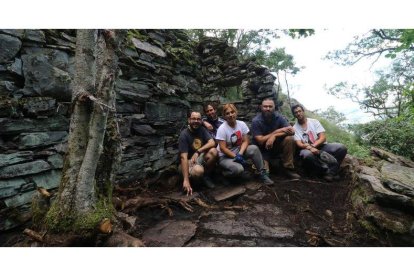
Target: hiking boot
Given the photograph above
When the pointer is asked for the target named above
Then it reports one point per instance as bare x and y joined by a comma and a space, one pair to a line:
292, 174
265, 179
208, 182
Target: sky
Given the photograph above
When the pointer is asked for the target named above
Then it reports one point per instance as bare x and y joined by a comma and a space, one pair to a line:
310, 85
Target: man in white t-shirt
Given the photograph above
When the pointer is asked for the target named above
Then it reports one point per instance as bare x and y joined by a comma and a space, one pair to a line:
311, 139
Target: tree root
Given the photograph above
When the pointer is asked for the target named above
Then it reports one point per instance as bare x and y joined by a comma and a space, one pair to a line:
133, 204
34, 235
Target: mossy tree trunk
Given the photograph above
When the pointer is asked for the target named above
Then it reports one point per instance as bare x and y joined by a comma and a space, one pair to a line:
84, 196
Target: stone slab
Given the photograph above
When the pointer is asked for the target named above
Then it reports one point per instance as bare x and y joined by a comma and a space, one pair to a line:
228, 192
170, 233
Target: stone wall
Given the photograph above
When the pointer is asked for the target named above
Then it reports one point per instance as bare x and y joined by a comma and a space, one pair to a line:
164, 74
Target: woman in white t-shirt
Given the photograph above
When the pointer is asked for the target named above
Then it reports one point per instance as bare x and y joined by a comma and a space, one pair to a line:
233, 146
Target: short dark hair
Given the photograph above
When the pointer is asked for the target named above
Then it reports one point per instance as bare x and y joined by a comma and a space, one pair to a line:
207, 104
269, 99
296, 106
191, 111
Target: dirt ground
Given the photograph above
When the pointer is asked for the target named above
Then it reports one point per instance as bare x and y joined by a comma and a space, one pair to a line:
306, 212
243, 213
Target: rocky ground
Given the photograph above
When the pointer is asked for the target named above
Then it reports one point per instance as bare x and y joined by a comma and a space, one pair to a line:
306, 212
243, 213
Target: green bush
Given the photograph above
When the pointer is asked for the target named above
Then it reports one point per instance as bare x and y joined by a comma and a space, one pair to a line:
395, 135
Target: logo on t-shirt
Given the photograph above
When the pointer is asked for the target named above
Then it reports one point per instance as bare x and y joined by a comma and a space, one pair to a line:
196, 144
236, 139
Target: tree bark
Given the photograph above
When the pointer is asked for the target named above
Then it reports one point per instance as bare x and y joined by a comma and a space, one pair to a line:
81, 203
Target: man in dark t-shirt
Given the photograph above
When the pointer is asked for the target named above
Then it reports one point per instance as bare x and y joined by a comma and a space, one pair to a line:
212, 121
198, 154
274, 135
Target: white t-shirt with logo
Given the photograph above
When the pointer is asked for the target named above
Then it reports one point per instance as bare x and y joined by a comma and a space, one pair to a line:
309, 135
232, 136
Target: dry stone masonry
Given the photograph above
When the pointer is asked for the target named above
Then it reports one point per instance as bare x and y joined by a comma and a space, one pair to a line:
163, 75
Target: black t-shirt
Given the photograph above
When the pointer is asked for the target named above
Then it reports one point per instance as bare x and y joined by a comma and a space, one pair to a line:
215, 124
191, 141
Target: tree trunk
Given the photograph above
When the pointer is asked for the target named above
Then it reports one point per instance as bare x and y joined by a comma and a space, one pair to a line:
84, 196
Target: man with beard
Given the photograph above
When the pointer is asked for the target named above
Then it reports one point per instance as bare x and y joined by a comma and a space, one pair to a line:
311, 139
212, 121
198, 154
274, 135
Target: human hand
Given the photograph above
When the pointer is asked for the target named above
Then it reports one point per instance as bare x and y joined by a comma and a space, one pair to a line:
208, 126
187, 187
239, 159
315, 151
193, 159
289, 130
270, 142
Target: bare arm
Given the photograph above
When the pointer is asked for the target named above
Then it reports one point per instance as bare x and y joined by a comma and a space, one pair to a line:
244, 144
185, 170
224, 149
204, 148
280, 132
207, 125
321, 140
307, 146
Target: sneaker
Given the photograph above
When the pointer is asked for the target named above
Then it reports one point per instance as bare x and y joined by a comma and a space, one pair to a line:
265, 179
291, 174
208, 182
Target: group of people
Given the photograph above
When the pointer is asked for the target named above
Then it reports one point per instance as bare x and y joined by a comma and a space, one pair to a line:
211, 140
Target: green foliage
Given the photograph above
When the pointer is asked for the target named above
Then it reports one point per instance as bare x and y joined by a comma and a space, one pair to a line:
277, 60
334, 133
391, 97
298, 33
233, 94
183, 53
392, 43
395, 134
332, 116
248, 43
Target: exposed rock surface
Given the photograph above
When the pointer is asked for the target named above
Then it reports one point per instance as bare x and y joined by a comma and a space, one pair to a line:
384, 198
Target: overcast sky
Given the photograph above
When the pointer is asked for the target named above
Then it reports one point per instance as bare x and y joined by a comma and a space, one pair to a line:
308, 86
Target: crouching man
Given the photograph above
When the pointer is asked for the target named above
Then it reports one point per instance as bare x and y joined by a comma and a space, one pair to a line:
198, 154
